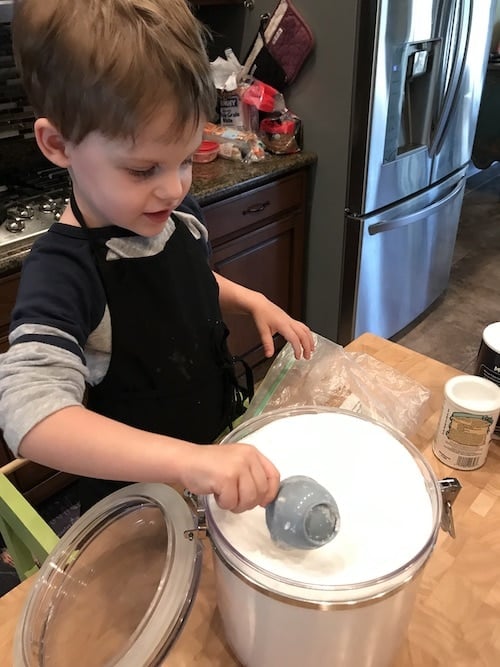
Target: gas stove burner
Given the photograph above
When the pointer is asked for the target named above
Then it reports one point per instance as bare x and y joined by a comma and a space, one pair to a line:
48, 206
30, 203
26, 212
17, 217
15, 226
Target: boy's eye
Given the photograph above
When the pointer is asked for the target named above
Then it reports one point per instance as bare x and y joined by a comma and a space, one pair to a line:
142, 173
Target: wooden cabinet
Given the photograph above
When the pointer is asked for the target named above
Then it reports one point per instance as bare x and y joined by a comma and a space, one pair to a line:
8, 291
258, 241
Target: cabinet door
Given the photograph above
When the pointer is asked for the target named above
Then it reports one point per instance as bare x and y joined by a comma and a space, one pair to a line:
268, 260
8, 291
258, 241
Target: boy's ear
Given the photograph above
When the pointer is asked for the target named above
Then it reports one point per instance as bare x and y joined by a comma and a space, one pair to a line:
51, 142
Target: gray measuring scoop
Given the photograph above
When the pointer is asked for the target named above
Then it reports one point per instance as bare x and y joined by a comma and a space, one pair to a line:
304, 515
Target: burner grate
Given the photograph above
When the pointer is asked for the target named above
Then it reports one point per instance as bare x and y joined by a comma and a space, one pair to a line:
29, 205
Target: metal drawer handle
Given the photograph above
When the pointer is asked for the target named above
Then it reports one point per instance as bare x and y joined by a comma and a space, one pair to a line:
257, 208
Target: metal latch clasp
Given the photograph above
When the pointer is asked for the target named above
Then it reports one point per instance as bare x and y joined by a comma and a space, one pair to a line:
450, 488
200, 529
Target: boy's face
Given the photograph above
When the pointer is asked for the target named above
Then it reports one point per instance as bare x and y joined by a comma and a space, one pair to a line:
132, 185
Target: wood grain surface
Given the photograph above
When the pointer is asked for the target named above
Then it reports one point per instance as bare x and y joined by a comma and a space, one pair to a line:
456, 619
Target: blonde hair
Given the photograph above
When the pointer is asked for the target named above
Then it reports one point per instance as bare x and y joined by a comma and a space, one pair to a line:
108, 65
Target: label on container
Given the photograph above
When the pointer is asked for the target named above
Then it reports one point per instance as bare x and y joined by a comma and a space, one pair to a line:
488, 359
463, 438
491, 373
231, 110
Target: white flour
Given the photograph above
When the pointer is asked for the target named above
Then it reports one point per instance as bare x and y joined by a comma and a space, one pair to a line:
385, 508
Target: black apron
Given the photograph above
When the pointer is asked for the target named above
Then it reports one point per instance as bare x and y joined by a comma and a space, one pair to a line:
170, 371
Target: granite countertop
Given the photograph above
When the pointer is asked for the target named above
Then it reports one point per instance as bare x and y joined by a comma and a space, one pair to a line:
224, 178
211, 182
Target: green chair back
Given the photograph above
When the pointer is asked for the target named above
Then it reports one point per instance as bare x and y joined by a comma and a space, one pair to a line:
29, 539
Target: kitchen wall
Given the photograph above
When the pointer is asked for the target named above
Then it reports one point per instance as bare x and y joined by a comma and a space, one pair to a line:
495, 39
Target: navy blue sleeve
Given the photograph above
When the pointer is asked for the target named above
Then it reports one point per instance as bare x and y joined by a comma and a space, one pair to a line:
60, 287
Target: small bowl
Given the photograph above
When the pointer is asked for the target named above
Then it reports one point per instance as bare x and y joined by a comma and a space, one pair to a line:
207, 151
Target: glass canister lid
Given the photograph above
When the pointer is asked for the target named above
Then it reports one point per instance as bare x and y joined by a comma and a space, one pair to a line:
118, 586
388, 501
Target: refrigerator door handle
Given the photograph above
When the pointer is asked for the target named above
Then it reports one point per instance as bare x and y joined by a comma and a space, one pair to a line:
386, 225
458, 59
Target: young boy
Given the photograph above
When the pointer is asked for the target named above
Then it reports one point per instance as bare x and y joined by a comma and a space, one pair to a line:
117, 299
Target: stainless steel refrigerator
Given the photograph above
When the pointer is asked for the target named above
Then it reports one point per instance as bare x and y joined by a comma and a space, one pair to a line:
389, 102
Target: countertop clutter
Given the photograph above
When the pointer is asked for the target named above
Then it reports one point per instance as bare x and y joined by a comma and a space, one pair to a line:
212, 182
225, 178
456, 617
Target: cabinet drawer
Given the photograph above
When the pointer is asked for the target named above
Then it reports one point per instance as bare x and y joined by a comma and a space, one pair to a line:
231, 216
8, 292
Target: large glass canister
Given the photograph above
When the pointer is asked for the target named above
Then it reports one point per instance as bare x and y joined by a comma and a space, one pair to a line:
349, 601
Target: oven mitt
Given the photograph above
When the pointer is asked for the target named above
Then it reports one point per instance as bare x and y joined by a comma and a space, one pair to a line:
283, 43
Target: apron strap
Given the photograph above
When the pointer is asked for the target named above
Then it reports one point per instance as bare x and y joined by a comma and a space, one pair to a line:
76, 211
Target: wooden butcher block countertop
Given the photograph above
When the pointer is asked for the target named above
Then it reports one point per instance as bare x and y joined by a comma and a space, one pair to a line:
456, 619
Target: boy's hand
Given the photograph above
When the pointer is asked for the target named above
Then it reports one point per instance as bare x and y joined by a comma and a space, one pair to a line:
238, 475
271, 319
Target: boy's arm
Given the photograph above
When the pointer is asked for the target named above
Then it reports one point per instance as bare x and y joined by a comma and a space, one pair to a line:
269, 318
41, 413
79, 441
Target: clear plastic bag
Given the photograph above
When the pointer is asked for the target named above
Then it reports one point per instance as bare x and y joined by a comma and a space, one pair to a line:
351, 381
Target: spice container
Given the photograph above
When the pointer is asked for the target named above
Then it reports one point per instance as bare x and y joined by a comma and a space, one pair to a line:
207, 151
282, 133
470, 411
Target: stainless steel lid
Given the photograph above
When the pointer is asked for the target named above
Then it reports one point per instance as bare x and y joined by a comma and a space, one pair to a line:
117, 588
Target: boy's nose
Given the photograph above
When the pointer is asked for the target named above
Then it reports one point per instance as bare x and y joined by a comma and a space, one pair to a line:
169, 187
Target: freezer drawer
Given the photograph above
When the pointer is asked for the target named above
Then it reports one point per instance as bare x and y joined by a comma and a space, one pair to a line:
397, 262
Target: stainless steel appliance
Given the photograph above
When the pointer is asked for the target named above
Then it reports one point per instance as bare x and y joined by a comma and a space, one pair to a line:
33, 193
6, 7
413, 121
29, 203
389, 101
